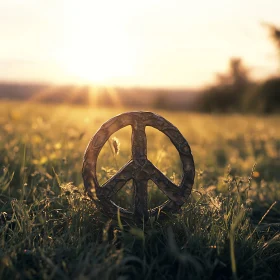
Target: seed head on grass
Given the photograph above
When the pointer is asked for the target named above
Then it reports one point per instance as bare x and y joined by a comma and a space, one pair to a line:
116, 145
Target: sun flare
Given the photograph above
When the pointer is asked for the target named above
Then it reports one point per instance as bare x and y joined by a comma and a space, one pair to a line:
96, 49
88, 63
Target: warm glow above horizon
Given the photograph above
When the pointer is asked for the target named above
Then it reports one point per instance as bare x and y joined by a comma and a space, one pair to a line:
96, 50
155, 43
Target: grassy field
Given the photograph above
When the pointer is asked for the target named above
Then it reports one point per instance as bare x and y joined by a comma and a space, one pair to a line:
229, 229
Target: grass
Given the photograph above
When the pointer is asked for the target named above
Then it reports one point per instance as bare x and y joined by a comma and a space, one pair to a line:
229, 229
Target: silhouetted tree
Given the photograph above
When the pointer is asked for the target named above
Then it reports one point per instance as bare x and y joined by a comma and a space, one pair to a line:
227, 94
160, 101
274, 33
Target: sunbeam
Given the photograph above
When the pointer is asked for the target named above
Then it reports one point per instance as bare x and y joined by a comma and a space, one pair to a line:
114, 98
42, 94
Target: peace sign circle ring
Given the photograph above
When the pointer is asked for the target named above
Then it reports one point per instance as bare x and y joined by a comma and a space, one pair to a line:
139, 168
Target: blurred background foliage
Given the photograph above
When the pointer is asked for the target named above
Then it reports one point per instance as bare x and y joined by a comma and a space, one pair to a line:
235, 91
232, 91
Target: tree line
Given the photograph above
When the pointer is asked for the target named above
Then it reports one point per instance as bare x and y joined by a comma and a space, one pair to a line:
235, 91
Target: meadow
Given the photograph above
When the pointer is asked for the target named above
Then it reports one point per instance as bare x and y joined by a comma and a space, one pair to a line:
49, 229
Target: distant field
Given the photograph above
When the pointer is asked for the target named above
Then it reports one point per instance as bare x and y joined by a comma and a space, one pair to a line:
49, 230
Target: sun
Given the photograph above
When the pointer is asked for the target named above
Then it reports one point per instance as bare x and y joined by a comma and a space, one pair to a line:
100, 64
96, 48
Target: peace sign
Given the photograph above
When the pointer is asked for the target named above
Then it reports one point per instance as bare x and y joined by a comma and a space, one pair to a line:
139, 168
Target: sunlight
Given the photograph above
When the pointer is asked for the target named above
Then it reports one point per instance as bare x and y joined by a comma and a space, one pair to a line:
96, 49
92, 96
42, 94
113, 95
86, 64
95, 96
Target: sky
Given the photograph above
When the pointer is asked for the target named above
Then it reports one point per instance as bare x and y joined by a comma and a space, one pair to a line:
154, 43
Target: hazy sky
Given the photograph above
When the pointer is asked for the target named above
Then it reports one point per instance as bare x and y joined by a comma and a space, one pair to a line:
148, 42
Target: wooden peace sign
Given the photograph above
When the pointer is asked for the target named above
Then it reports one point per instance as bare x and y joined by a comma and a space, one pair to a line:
139, 168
